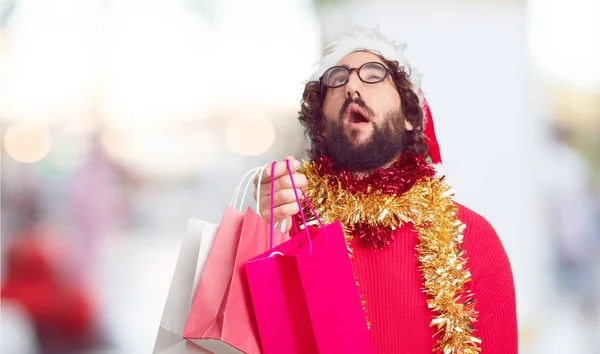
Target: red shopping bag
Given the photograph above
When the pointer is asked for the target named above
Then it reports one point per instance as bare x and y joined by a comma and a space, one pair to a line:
221, 318
305, 297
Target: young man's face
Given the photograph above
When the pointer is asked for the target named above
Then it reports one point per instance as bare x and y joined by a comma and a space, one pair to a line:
364, 124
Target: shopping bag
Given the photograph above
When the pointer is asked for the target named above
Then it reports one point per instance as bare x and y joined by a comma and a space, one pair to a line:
221, 318
192, 256
305, 297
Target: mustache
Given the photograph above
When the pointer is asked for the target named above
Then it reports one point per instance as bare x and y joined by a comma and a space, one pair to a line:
358, 102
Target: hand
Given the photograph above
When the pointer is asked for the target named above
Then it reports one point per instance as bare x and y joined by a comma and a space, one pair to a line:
284, 205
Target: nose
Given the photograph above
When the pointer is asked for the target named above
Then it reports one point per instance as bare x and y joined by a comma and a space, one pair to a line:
354, 85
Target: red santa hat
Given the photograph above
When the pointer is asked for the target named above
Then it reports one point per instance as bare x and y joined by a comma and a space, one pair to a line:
373, 41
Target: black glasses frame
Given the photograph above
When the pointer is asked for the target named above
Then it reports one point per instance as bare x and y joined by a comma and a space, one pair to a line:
351, 70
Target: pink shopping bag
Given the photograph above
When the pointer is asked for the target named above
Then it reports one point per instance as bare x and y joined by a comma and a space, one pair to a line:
304, 295
221, 318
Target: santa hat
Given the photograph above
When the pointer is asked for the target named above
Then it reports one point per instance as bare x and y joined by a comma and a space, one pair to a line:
373, 41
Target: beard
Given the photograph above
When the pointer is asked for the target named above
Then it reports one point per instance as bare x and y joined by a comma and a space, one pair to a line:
386, 143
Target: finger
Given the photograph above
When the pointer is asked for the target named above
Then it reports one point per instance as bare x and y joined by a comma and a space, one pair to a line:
285, 196
285, 182
286, 199
280, 169
282, 197
265, 189
285, 211
282, 183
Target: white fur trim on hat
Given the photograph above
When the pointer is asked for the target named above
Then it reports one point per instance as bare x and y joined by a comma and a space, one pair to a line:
368, 40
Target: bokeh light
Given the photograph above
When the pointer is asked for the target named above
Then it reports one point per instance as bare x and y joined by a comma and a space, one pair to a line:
64, 158
27, 142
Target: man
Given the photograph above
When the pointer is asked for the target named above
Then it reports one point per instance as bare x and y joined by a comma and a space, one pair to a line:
433, 274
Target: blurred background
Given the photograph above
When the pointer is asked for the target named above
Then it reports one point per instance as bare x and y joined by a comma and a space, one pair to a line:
123, 119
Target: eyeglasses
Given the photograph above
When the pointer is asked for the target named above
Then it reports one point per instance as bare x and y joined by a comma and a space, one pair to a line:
370, 73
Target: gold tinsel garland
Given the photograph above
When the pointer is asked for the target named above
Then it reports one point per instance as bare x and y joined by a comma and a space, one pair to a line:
428, 206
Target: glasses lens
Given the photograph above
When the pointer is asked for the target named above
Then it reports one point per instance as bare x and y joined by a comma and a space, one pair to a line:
372, 72
336, 76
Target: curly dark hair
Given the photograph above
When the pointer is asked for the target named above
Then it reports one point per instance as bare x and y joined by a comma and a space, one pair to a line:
311, 112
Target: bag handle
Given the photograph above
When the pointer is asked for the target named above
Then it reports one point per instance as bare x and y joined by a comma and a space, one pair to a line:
312, 209
272, 226
258, 186
251, 176
234, 198
272, 207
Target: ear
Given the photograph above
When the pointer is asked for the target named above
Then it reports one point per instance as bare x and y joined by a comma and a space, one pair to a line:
408, 126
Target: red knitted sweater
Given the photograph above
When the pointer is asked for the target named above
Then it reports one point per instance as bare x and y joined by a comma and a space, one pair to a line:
396, 306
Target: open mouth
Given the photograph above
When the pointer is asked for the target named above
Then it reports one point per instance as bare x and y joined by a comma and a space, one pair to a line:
355, 114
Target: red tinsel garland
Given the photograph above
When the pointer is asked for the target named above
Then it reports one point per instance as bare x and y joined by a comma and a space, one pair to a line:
395, 180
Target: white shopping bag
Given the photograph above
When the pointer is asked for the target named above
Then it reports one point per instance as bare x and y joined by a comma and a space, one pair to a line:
192, 256
194, 251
